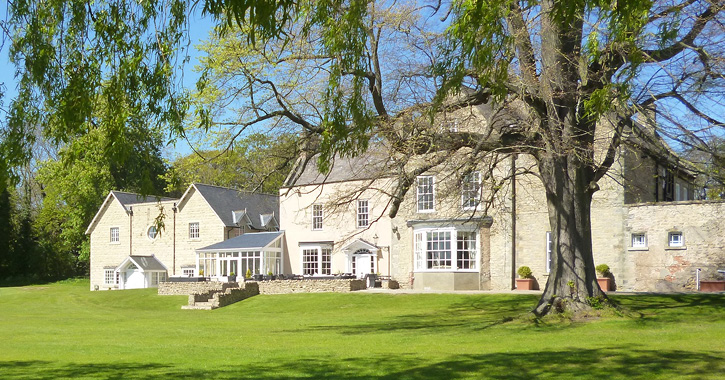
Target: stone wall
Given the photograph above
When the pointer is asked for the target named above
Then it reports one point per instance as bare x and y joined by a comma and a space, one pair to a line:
659, 267
186, 288
310, 286
233, 295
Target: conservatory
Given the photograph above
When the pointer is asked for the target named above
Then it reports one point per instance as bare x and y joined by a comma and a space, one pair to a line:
258, 252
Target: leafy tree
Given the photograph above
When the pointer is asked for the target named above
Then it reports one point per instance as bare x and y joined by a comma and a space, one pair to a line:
254, 163
77, 182
566, 69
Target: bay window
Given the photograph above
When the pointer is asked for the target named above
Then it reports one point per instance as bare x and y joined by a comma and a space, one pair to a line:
446, 249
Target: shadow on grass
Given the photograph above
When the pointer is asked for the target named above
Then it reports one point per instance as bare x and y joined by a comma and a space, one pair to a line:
472, 314
621, 362
673, 307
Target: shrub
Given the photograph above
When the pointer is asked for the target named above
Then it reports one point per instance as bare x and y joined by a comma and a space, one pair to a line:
248, 274
603, 270
524, 272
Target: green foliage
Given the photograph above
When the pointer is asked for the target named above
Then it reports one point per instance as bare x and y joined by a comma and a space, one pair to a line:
254, 162
87, 64
603, 270
524, 272
248, 274
597, 303
77, 182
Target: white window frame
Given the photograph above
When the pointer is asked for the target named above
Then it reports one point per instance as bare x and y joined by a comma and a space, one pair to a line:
115, 238
316, 260
192, 236
471, 190
638, 240
425, 262
674, 242
188, 272
157, 277
549, 251
423, 204
318, 215
110, 274
148, 233
363, 213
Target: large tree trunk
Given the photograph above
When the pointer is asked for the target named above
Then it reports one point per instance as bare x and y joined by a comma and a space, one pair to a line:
569, 189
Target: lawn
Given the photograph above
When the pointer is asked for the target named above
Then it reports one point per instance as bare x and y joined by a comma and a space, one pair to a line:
62, 330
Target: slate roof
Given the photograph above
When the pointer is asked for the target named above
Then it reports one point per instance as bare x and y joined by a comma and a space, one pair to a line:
129, 199
224, 201
369, 165
246, 241
147, 263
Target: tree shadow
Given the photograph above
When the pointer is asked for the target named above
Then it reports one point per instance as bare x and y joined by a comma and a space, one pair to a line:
474, 313
610, 363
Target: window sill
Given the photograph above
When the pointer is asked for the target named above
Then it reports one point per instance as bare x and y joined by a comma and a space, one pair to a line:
638, 249
115, 243
426, 211
446, 271
676, 248
195, 239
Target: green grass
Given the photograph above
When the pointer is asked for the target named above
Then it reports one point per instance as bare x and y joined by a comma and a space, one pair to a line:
62, 330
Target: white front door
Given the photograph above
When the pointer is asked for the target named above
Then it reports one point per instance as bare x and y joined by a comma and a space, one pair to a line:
135, 279
362, 265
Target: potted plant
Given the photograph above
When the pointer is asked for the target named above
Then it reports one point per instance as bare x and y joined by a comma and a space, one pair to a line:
248, 275
232, 277
605, 277
526, 279
201, 273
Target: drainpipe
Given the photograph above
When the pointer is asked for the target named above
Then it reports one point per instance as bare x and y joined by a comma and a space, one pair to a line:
173, 249
513, 221
130, 230
697, 274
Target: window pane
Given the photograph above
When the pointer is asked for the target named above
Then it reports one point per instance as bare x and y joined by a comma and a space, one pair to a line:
466, 247
425, 193
471, 190
316, 217
309, 262
362, 214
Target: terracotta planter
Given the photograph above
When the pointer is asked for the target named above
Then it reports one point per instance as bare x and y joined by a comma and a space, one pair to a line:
525, 284
712, 286
605, 283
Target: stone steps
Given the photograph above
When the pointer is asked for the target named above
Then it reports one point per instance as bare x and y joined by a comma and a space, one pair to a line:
200, 306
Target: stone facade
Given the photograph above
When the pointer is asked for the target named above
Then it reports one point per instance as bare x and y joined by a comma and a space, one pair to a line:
339, 229
514, 230
661, 267
174, 245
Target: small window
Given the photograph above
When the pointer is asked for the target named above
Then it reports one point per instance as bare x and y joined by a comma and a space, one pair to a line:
110, 277
115, 235
194, 230
152, 233
426, 195
188, 272
675, 239
363, 219
639, 240
471, 190
316, 217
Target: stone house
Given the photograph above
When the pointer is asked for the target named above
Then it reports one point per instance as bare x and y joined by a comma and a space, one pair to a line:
137, 242
645, 224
